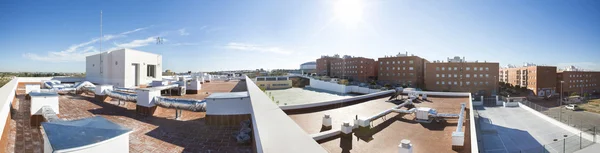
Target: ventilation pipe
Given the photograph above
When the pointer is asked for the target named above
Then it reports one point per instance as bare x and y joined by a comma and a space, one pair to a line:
185, 104
405, 146
49, 114
121, 95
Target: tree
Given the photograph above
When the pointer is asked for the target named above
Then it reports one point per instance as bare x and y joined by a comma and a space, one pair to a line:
574, 94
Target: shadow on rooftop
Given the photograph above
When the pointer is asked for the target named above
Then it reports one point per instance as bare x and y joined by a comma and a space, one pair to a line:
193, 135
504, 139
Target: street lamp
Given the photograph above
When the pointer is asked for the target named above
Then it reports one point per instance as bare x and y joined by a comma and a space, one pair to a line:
561, 92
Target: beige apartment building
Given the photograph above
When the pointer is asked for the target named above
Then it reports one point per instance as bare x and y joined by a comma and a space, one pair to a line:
541, 80
458, 75
402, 70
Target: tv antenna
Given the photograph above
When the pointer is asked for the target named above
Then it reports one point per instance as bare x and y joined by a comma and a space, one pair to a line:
159, 40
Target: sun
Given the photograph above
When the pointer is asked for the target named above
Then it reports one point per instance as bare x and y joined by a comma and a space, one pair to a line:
349, 12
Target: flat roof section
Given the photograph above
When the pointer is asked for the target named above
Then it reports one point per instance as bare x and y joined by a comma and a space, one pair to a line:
215, 87
388, 131
514, 129
159, 133
294, 96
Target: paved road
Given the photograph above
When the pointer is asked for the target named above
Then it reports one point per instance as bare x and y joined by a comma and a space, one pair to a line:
576, 118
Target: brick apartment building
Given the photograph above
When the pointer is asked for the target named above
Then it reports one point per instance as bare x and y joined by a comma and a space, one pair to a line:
402, 70
577, 81
458, 75
347, 67
533, 77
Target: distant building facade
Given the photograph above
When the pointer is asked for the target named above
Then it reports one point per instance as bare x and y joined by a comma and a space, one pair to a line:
578, 81
402, 70
541, 80
273, 82
347, 67
458, 75
308, 67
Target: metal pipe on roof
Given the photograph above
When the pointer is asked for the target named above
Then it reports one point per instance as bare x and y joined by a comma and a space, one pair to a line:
121, 95
49, 114
461, 117
185, 104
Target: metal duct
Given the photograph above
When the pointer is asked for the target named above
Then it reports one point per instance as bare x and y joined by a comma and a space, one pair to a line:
185, 104
385, 112
166, 87
124, 90
461, 117
49, 114
121, 95
410, 111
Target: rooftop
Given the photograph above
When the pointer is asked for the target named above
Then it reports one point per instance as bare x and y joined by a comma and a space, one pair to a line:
388, 131
158, 133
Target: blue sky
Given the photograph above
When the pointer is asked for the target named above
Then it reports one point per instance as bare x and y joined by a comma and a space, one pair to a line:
55, 36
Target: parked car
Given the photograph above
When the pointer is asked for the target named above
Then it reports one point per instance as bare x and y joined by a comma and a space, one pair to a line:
572, 107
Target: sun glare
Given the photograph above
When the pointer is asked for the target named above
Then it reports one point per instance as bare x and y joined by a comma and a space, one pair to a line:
349, 12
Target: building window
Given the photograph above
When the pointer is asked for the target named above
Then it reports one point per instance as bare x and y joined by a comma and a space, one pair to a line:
443, 68
410, 68
455, 76
393, 62
151, 71
455, 83
442, 82
437, 68
487, 68
449, 68
487, 75
468, 76
481, 68
381, 63
403, 68
481, 75
475, 83
388, 62
403, 62
410, 62
468, 82
437, 75
468, 68
437, 82
455, 68
443, 76
474, 75
411, 74
475, 69
449, 83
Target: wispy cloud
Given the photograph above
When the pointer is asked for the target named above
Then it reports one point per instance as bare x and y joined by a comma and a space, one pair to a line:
183, 32
78, 52
136, 43
257, 48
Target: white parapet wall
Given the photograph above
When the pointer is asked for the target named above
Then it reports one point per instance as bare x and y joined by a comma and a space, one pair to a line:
339, 88
325, 103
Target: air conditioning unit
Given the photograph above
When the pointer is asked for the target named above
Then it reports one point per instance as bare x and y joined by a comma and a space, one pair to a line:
181, 91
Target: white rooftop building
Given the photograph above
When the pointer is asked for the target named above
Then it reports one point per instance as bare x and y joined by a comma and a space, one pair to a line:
123, 68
